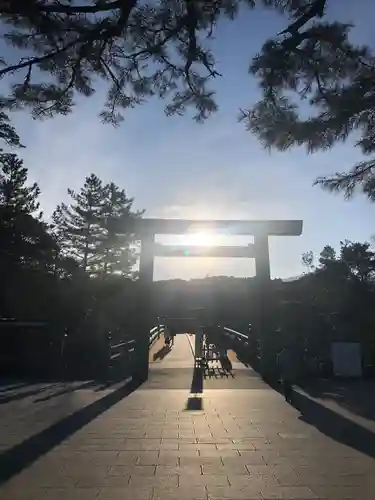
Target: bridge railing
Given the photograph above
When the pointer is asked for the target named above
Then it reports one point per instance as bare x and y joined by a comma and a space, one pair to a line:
35, 348
246, 347
122, 353
156, 333
235, 335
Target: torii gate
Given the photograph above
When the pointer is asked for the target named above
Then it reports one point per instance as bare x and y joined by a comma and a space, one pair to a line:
147, 229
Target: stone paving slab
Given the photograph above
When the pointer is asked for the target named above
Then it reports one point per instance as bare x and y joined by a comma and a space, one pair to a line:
107, 443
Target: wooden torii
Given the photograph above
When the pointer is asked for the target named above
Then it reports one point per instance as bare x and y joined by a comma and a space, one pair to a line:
147, 229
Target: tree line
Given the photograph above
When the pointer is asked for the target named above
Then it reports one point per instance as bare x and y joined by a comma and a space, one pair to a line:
333, 301
59, 268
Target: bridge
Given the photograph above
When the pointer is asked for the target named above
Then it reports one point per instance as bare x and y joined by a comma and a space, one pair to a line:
188, 432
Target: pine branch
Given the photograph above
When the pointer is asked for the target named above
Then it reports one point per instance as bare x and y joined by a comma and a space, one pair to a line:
316, 9
361, 176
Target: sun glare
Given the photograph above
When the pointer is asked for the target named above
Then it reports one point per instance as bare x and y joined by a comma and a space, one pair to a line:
200, 239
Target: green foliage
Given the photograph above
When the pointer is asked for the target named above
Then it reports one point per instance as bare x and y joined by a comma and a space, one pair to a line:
162, 49
24, 238
28, 252
355, 262
360, 260
115, 252
327, 255
8, 133
341, 291
308, 260
14, 192
94, 228
77, 225
54, 273
139, 49
318, 87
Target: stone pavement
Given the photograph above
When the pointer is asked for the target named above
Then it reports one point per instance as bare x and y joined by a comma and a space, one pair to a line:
81, 441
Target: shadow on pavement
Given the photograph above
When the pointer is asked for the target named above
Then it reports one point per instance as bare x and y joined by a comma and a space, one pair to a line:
332, 424
200, 373
164, 351
195, 403
241, 356
8, 398
66, 390
357, 396
13, 386
197, 381
106, 385
19, 457
335, 425
218, 372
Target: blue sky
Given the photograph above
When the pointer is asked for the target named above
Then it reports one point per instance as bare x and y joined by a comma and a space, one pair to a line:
176, 168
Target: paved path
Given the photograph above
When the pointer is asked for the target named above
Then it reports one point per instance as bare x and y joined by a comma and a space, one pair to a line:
81, 441
179, 356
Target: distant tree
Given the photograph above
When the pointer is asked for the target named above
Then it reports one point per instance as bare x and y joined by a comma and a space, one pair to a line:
24, 237
360, 260
327, 255
77, 225
355, 261
29, 255
116, 253
308, 260
15, 194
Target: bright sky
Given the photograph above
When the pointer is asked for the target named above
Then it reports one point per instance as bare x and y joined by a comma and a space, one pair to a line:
176, 168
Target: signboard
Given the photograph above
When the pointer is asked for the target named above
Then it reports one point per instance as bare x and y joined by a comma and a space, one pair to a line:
347, 359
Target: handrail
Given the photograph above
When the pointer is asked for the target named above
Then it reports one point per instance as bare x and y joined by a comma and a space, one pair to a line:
121, 344
239, 334
155, 333
118, 351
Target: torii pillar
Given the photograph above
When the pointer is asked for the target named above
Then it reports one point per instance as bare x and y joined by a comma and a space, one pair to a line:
263, 277
144, 306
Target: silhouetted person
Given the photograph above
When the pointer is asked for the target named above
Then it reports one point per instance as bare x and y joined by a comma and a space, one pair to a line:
168, 338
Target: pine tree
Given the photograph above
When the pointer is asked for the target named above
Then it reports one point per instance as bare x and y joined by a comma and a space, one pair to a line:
318, 88
317, 84
77, 225
24, 237
162, 48
117, 255
15, 194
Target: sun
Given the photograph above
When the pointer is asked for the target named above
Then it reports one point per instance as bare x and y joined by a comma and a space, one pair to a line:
199, 239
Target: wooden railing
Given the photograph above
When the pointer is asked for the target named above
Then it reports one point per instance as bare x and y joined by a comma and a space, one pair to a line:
121, 356
244, 344
156, 333
37, 349
241, 337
